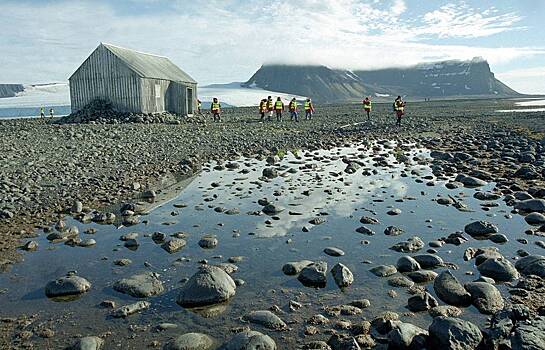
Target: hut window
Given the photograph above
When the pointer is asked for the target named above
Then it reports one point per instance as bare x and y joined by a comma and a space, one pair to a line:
157, 91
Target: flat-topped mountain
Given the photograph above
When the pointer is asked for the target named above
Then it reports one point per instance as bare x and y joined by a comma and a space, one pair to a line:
318, 82
440, 79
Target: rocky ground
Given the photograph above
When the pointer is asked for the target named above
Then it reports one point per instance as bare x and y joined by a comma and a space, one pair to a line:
45, 167
50, 169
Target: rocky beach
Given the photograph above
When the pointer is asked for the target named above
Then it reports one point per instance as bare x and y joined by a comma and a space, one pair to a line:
334, 233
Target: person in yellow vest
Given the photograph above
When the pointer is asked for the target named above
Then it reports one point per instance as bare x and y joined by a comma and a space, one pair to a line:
215, 108
199, 106
293, 110
263, 109
309, 109
399, 108
270, 107
367, 107
42, 112
279, 108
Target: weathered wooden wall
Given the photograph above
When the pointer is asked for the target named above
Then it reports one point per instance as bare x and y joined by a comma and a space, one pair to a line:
177, 98
103, 75
151, 102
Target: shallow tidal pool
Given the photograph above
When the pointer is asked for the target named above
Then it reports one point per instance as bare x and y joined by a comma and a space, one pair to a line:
224, 203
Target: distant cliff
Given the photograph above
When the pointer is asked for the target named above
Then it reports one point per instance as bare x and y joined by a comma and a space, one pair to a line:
10, 90
318, 82
440, 79
448, 78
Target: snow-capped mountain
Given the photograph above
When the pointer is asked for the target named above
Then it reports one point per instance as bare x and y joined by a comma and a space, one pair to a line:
437, 79
318, 82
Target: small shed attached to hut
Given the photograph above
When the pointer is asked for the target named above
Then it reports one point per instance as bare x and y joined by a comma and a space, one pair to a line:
133, 82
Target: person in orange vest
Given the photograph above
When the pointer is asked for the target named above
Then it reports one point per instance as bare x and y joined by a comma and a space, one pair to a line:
270, 107
293, 110
309, 109
279, 108
367, 106
263, 108
399, 108
215, 108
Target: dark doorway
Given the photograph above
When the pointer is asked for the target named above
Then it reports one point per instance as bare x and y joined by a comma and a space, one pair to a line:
189, 101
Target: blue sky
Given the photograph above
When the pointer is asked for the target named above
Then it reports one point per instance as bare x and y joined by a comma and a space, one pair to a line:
223, 41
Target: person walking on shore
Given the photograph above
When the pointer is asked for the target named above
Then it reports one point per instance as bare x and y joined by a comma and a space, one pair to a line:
270, 107
42, 112
215, 108
309, 109
367, 107
263, 108
199, 106
279, 108
399, 108
293, 110
51, 113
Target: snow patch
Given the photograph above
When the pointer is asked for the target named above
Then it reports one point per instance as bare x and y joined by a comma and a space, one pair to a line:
56, 94
240, 96
531, 103
521, 110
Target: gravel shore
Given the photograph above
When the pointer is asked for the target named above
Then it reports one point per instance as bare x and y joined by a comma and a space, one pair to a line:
45, 167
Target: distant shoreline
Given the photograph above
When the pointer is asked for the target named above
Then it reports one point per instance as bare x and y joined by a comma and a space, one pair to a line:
24, 112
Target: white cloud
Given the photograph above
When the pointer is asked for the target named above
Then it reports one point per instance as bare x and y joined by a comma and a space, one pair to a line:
222, 41
460, 20
399, 7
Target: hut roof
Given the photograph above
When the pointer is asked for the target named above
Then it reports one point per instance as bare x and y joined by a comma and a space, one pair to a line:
150, 66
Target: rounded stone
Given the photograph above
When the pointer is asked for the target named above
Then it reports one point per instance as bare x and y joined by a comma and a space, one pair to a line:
210, 285
500, 269
69, 285
454, 334
249, 340
480, 229
407, 264
266, 319
142, 285
190, 341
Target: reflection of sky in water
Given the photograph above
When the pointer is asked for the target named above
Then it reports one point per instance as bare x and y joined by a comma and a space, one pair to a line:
355, 196
346, 195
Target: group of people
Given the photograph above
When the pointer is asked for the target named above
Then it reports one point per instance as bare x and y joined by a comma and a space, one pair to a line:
267, 106
398, 107
42, 112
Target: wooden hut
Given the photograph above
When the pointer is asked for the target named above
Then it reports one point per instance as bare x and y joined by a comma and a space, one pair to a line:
133, 82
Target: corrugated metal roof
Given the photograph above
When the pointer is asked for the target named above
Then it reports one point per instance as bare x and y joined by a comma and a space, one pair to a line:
150, 66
